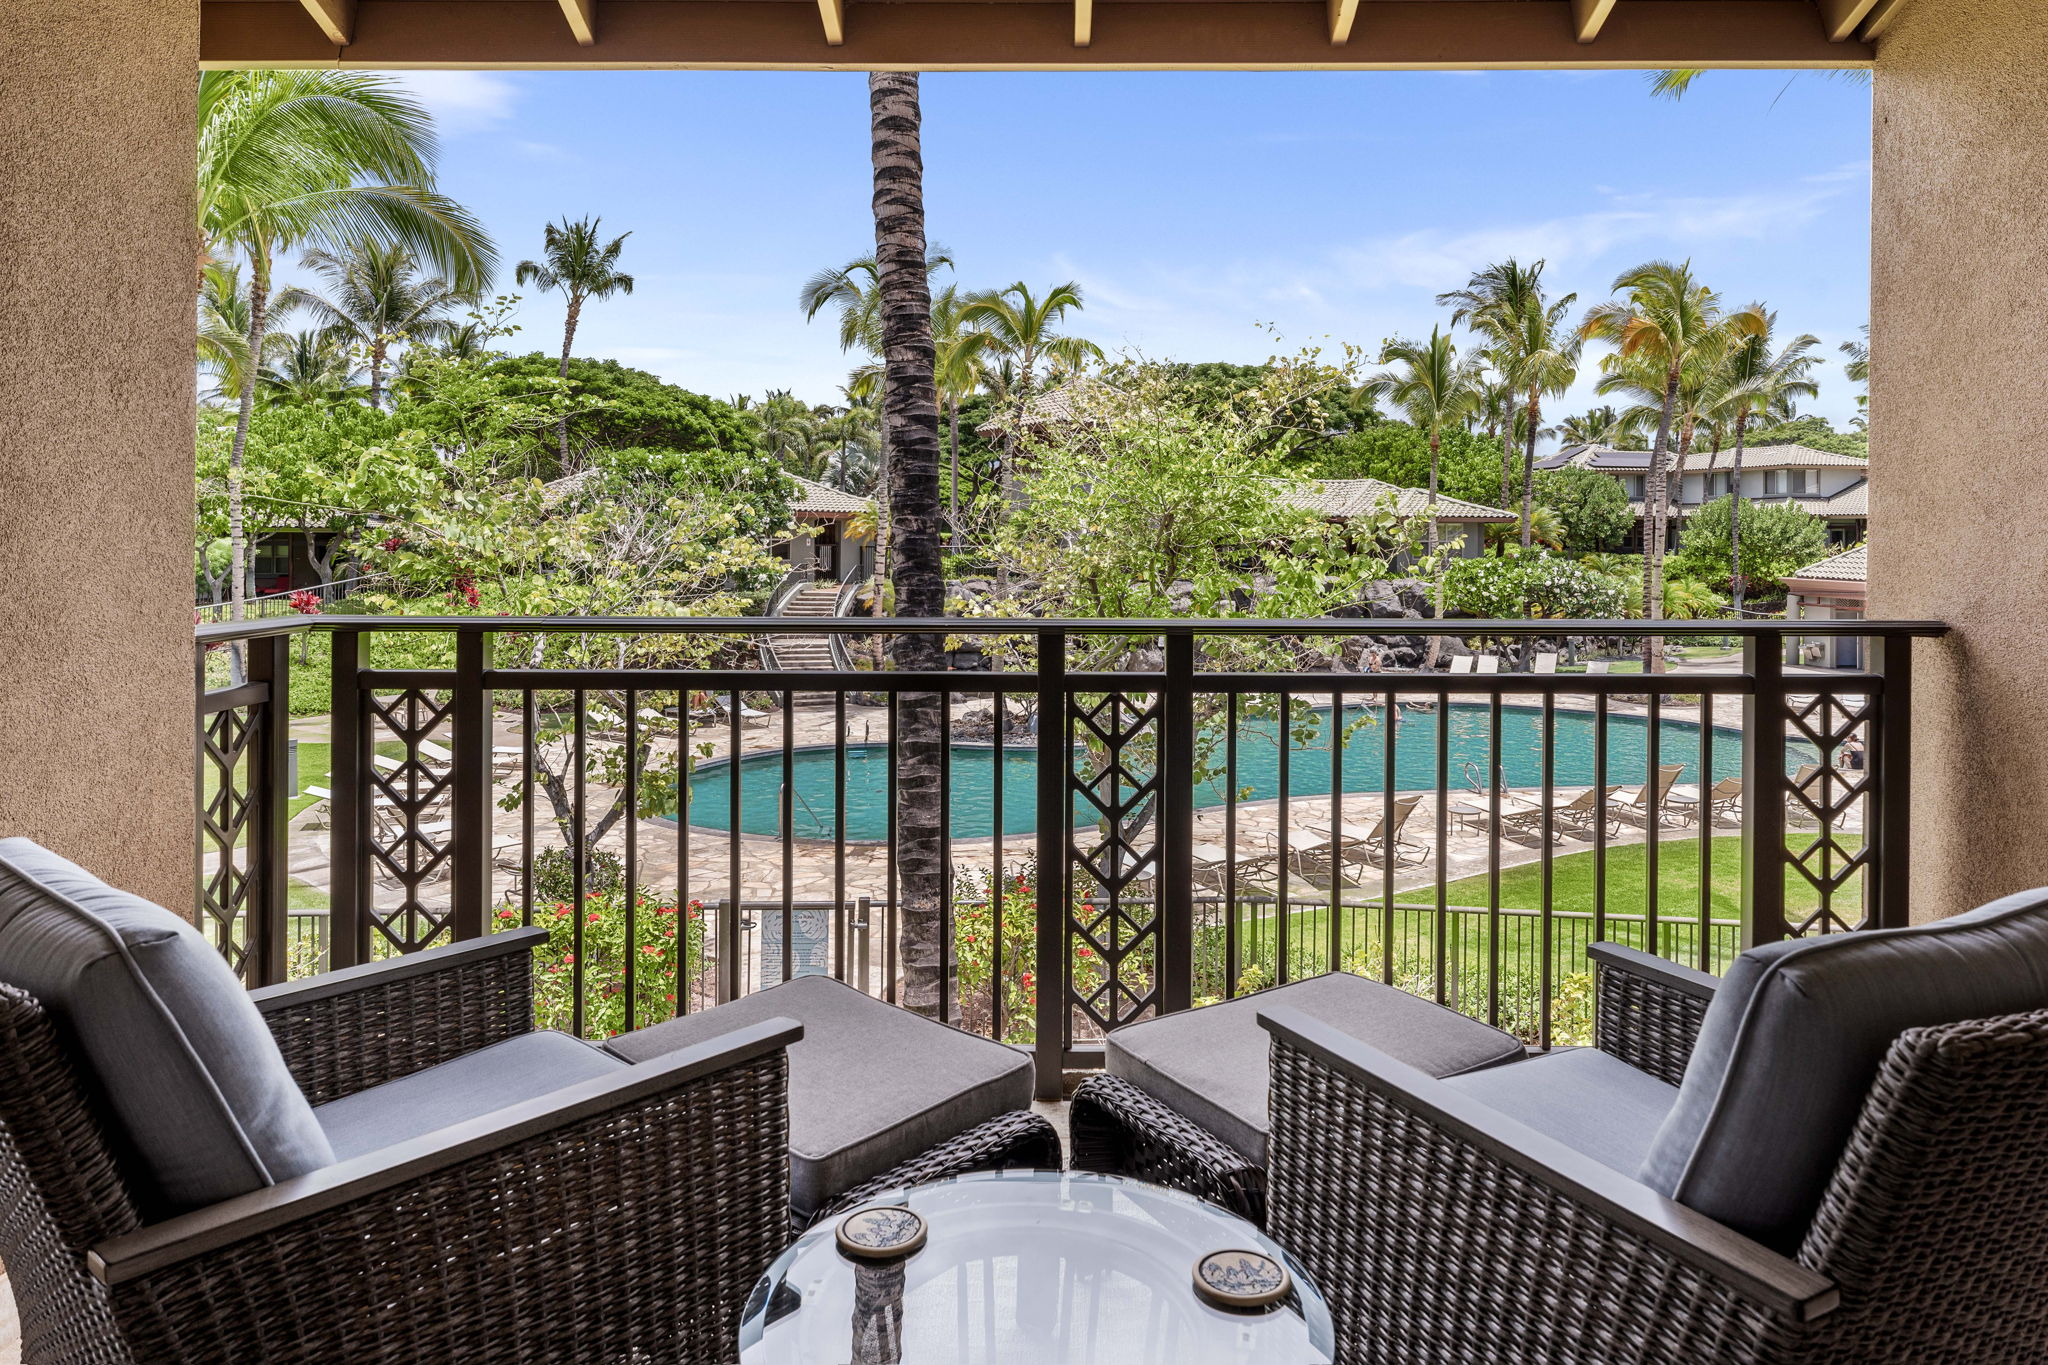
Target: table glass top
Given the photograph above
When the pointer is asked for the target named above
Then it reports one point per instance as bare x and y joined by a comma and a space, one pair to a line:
1032, 1268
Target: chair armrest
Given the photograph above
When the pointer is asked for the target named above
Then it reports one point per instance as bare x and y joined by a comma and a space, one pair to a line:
565, 1227
1648, 1010
347, 1030
1396, 1189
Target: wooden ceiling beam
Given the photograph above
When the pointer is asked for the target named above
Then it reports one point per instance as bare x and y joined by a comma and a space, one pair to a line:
1880, 18
582, 17
1841, 18
962, 35
1343, 14
1084, 22
337, 19
1589, 17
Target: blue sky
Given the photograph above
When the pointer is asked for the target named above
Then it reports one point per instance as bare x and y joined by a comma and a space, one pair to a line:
1197, 210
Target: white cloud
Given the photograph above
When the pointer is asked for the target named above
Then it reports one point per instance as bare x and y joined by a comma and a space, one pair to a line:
463, 101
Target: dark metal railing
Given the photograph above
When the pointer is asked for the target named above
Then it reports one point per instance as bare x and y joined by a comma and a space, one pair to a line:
1224, 811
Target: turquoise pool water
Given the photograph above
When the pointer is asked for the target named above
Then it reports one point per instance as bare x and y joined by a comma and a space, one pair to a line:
1256, 776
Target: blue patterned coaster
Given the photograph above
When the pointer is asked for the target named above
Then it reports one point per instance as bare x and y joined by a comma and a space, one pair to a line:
882, 1233
1241, 1279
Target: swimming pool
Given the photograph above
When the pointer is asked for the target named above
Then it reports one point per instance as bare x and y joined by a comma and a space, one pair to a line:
1256, 775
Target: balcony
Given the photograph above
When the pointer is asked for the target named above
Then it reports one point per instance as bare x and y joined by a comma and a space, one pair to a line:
1196, 851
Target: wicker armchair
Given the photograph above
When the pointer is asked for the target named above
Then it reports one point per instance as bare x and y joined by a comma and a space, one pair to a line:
1441, 1230
622, 1218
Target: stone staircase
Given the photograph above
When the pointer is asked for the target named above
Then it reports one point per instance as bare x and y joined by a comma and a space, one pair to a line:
806, 653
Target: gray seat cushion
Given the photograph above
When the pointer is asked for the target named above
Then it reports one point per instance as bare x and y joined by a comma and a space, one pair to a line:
1594, 1104
1793, 1041
1211, 1064
203, 1106
870, 1085
522, 1068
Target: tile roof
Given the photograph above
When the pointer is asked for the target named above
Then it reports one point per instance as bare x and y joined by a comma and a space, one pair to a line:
1077, 400
815, 499
1355, 497
1609, 460
1850, 566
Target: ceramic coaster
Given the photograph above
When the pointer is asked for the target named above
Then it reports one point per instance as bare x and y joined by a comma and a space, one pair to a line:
883, 1233
1241, 1279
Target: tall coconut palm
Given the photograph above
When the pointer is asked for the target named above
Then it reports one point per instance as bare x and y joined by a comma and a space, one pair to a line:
911, 419
1434, 389
1023, 325
1667, 317
1857, 367
581, 266
1761, 379
223, 344
1593, 427
1547, 361
958, 351
320, 158
1493, 304
375, 295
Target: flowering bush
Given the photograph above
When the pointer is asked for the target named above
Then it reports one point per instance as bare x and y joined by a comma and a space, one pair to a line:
664, 953
1532, 583
305, 602
977, 972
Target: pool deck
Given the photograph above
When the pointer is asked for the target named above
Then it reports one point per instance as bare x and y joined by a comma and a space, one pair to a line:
813, 875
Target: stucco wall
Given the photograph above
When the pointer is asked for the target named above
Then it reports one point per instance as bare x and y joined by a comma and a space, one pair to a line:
96, 289
1959, 415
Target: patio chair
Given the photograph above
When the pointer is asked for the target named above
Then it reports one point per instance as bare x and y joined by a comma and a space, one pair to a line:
1374, 847
1598, 667
1832, 1155
1724, 799
389, 1163
1213, 871
1486, 663
1650, 803
1545, 662
1460, 664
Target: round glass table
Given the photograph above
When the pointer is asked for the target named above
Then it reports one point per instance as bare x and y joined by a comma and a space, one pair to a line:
1032, 1268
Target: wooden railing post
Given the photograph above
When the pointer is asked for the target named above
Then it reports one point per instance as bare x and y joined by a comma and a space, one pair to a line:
270, 793
470, 733
1055, 817
1763, 786
1888, 804
348, 825
1175, 905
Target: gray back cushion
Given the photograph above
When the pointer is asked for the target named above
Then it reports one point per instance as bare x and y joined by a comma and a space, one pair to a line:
1792, 1043
200, 1101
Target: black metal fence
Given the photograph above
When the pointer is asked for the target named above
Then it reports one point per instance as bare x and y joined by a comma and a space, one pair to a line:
1227, 808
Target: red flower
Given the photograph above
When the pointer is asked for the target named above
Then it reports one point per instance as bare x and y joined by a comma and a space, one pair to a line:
651, 950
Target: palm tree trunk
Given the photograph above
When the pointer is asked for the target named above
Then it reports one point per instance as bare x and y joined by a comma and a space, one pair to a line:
1735, 580
1529, 467
912, 422
238, 549
378, 352
568, 341
1656, 514
953, 483
1507, 458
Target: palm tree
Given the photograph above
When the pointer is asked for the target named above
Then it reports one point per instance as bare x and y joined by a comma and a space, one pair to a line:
1667, 318
581, 267
1494, 303
376, 296
1434, 390
903, 299
323, 158
1760, 381
308, 368
1595, 426
1022, 325
1858, 370
958, 350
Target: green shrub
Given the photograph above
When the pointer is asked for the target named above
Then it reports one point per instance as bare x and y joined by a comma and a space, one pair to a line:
665, 956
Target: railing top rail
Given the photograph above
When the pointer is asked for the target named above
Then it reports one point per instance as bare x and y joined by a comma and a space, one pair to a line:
759, 625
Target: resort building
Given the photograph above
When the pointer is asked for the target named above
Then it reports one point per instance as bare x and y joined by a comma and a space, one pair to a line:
1834, 589
1835, 488
827, 540
1461, 525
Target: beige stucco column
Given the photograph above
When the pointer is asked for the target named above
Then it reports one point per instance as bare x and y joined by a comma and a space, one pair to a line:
1959, 428
96, 391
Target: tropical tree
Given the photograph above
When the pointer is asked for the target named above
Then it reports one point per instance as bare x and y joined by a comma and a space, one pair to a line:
1537, 356
374, 296
223, 348
320, 158
1667, 317
1775, 540
1434, 389
1601, 426
578, 264
306, 368
1022, 325
958, 350
1760, 380
1857, 367
1594, 510
911, 423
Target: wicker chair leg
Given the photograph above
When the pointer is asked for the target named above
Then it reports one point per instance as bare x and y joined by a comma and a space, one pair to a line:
1118, 1129
1019, 1140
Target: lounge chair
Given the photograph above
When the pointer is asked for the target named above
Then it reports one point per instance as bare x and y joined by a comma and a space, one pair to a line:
1650, 803
388, 1163
1486, 663
1213, 872
1724, 799
1461, 663
1825, 1156
1599, 668
1544, 663
1375, 846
